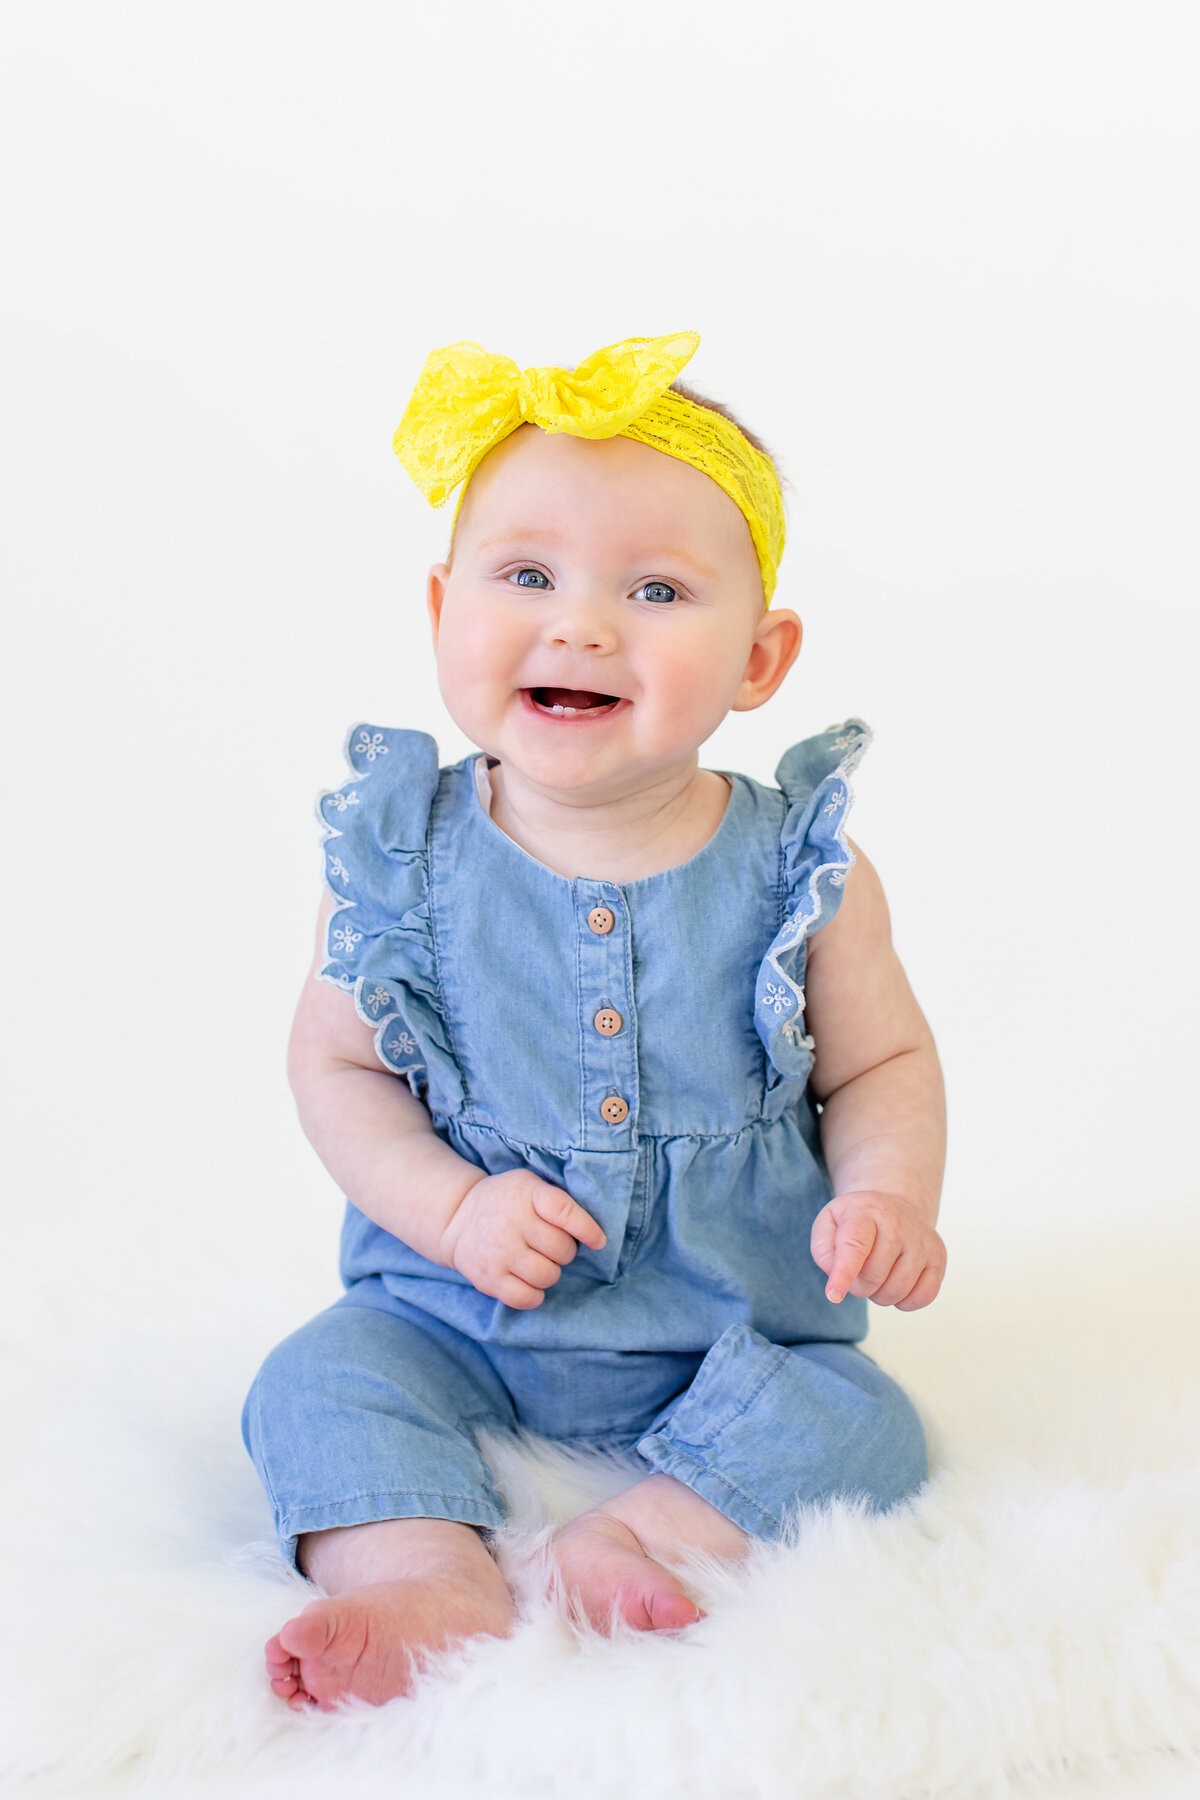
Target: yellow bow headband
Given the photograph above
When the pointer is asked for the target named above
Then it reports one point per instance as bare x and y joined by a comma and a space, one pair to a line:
467, 401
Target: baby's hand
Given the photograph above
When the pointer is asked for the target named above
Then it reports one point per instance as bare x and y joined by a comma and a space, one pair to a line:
512, 1233
878, 1247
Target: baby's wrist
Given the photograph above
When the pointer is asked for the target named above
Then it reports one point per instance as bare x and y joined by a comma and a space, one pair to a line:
451, 1231
421, 1184
442, 1216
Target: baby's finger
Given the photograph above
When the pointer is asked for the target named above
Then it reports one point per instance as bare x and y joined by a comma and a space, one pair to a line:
852, 1247
925, 1290
901, 1279
878, 1267
512, 1291
822, 1239
560, 1246
558, 1208
537, 1270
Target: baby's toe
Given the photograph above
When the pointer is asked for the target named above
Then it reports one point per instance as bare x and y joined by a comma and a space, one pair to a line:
310, 1633
670, 1610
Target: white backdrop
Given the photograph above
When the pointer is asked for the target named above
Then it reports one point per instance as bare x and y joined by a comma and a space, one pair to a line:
944, 259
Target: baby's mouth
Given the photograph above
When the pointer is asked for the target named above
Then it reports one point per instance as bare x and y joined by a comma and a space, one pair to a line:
572, 703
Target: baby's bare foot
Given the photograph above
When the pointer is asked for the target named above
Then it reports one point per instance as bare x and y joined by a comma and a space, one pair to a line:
367, 1640
603, 1564
364, 1642
609, 1556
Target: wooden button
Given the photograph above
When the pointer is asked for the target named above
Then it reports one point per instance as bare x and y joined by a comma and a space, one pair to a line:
601, 920
608, 1022
614, 1109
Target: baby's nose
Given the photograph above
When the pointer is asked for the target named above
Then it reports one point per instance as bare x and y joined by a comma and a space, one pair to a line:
578, 640
582, 625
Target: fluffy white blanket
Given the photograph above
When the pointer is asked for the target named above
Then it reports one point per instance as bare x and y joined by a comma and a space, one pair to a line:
1031, 1624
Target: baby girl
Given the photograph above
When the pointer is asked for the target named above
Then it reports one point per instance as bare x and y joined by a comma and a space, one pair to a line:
611, 1054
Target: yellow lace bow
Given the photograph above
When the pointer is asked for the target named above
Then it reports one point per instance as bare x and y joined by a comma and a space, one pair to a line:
467, 401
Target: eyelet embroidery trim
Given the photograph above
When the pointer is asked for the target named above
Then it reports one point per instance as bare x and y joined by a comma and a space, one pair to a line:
378, 1006
783, 997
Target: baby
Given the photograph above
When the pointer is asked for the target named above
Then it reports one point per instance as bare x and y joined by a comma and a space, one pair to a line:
611, 1054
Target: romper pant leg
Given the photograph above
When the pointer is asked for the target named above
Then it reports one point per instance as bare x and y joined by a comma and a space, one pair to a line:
367, 1412
767, 1428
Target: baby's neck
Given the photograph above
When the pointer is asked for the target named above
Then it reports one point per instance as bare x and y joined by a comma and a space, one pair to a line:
623, 839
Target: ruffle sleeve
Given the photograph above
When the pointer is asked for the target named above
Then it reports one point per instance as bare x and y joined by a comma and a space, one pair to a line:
814, 777
379, 939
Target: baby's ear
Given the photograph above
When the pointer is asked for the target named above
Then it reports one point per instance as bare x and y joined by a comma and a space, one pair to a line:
435, 593
775, 648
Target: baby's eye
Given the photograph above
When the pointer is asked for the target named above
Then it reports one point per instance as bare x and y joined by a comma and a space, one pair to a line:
656, 590
530, 578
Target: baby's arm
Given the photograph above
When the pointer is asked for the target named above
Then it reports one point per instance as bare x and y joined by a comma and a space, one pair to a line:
509, 1234
883, 1123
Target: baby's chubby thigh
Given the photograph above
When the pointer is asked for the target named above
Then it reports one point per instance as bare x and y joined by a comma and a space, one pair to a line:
369, 1412
766, 1429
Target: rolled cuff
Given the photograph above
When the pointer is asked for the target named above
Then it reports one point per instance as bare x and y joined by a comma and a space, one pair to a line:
766, 1429
370, 1509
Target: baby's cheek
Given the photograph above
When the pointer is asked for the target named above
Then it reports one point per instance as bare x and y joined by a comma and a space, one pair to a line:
471, 659
696, 690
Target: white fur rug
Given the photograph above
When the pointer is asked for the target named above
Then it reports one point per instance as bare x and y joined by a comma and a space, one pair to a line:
1031, 1625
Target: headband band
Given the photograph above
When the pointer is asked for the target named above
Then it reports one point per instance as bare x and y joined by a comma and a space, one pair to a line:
467, 401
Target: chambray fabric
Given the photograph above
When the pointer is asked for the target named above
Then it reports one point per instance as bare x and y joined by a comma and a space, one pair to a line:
699, 1338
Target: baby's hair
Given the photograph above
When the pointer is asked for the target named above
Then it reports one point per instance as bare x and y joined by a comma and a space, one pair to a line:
678, 387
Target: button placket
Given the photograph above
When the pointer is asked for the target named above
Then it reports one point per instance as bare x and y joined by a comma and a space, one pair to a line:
608, 1091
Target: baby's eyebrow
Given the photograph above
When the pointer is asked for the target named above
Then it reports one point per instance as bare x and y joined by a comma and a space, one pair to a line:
655, 554
521, 534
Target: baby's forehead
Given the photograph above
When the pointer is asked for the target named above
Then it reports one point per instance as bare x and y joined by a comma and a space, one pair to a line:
555, 483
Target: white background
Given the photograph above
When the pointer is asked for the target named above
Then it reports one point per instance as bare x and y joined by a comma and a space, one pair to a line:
943, 258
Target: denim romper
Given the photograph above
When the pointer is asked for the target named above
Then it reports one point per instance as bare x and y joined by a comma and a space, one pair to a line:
643, 1046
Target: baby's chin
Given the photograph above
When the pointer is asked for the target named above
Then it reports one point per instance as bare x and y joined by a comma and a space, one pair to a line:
601, 752
587, 781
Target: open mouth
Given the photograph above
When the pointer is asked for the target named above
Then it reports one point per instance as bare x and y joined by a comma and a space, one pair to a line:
572, 703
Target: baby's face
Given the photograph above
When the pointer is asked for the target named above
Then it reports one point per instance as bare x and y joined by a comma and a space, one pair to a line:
610, 581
